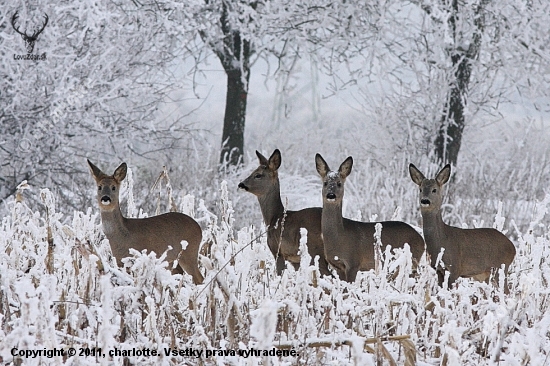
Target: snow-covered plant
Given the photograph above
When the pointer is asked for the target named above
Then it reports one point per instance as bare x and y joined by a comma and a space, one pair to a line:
398, 315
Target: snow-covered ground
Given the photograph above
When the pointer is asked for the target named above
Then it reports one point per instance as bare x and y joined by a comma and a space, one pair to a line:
122, 82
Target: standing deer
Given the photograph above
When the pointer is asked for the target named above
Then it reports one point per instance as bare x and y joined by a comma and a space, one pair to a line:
349, 245
264, 184
153, 233
468, 252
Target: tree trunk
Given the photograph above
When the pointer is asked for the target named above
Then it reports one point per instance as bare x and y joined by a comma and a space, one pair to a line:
235, 116
234, 52
449, 137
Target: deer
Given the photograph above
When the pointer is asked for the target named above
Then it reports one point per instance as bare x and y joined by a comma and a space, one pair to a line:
283, 226
155, 233
349, 244
470, 253
30, 40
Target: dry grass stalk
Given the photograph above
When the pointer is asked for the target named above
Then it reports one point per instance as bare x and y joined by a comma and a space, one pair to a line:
410, 352
49, 261
164, 176
382, 351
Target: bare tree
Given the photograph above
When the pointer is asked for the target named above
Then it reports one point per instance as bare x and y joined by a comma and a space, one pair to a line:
239, 32
96, 93
446, 65
468, 27
234, 50
463, 50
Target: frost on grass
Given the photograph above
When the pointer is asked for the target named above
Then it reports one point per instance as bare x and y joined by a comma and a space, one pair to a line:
84, 300
264, 322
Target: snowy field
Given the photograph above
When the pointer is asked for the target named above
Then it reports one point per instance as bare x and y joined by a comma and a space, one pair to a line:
142, 82
59, 289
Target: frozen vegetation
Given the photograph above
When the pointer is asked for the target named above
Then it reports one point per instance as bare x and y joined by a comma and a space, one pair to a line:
142, 82
59, 288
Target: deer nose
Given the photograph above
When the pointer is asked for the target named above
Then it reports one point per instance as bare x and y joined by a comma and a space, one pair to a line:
331, 196
243, 186
105, 200
425, 202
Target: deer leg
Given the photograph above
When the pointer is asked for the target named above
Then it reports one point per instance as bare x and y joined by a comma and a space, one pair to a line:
351, 274
323, 267
452, 278
440, 276
197, 276
280, 264
191, 269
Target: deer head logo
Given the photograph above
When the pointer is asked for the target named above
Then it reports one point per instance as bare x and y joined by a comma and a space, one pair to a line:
29, 39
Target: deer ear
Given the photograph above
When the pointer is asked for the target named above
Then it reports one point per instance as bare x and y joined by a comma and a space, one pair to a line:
120, 172
321, 165
275, 160
261, 158
443, 176
96, 172
416, 175
345, 167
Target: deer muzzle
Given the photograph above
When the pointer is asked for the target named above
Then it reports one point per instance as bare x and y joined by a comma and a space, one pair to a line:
424, 202
243, 186
105, 200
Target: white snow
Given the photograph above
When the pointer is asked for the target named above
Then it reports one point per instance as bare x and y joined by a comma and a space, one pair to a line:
85, 301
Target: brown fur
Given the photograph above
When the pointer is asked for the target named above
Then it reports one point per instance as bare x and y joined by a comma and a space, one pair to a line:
349, 245
264, 184
468, 252
153, 233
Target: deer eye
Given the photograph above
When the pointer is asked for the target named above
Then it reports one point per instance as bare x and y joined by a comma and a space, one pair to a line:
113, 188
99, 188
339, 184
434, 190
325, 184
257, 176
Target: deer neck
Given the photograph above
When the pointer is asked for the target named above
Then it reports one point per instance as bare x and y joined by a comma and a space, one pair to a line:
332, 221
272, 206
434, 229
114, 224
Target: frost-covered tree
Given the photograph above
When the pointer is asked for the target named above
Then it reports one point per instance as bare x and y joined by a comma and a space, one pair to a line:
110, 65
105, 73
233, 46
443, 67
464, 42
239, 32
482, 53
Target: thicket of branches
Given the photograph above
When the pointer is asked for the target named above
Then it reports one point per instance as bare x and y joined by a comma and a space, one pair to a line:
111, 82
106, 74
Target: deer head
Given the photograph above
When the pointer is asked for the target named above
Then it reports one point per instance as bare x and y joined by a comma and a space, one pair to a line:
29, 39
